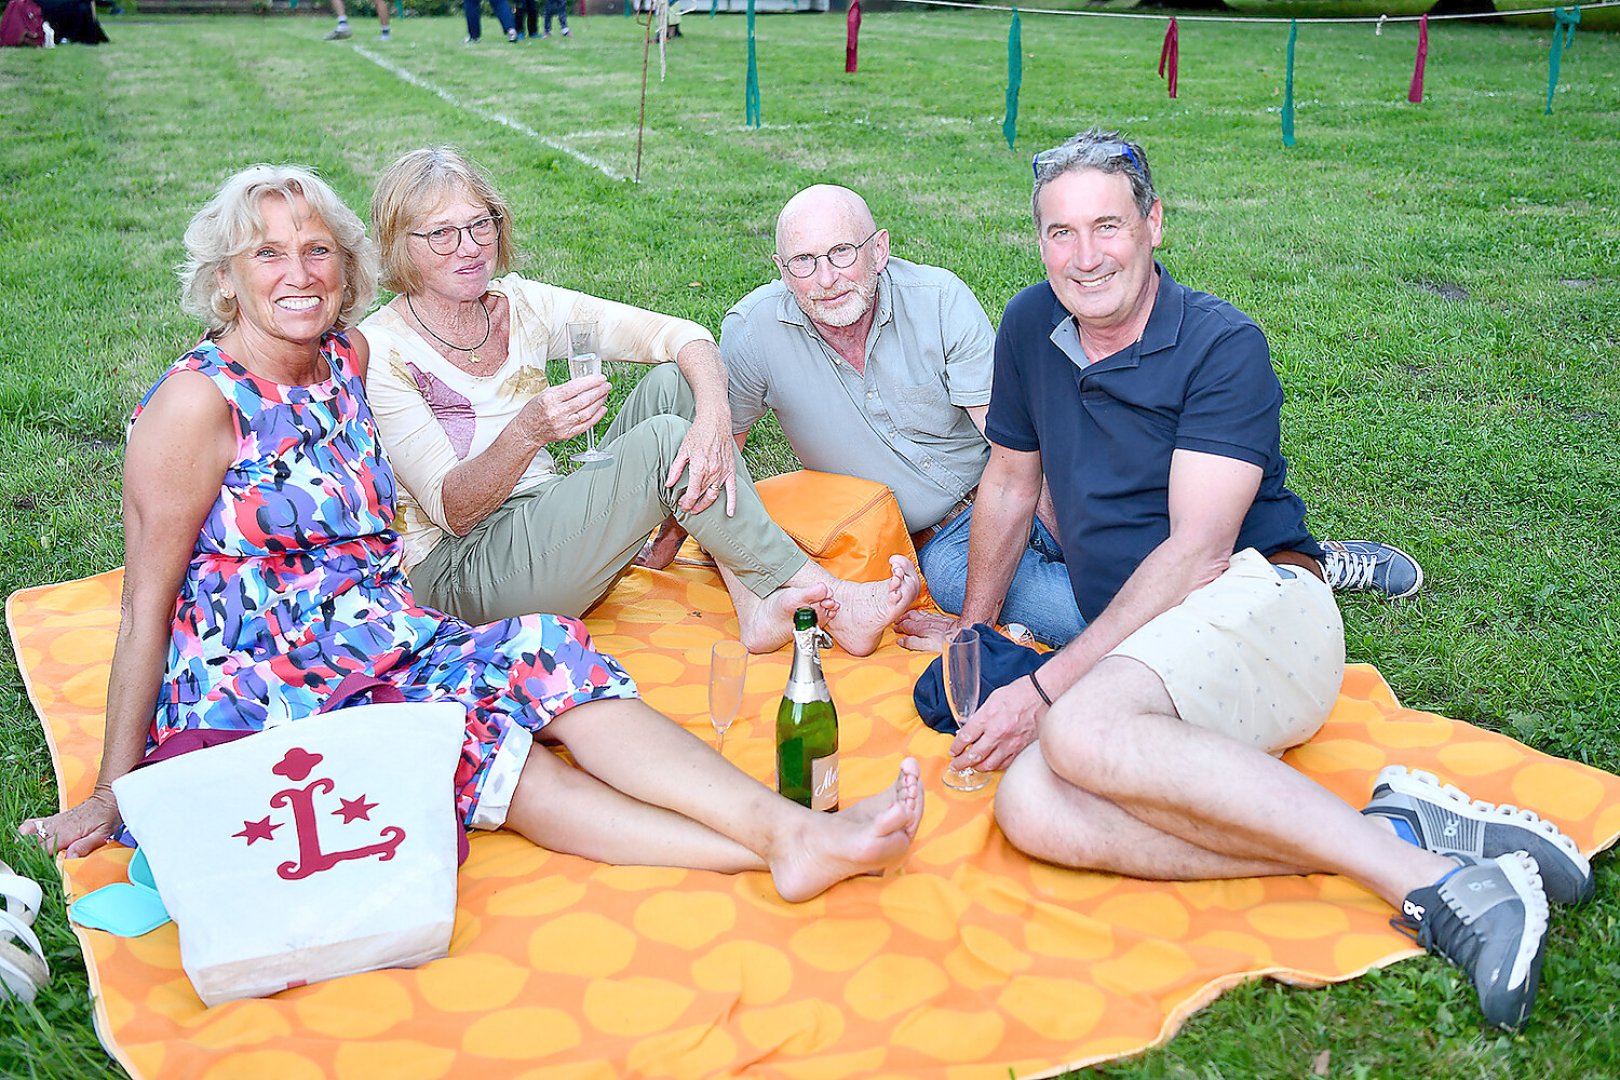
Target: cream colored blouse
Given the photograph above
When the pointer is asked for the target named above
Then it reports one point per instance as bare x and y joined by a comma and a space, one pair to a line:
432, 416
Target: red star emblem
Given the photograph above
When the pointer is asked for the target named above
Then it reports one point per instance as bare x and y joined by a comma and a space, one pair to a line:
257, 830
355, 808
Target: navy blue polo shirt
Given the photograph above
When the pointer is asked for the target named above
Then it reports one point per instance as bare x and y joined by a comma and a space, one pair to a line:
1200, 378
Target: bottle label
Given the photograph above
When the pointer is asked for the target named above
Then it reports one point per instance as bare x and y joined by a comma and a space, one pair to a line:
824, 783
804, 692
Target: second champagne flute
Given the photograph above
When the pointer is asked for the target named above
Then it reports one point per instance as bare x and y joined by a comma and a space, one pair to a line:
961, 662
584, 358
728, 664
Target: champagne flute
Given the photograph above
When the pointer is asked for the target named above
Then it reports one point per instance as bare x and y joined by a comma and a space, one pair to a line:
584, 358
960, 654
728, 663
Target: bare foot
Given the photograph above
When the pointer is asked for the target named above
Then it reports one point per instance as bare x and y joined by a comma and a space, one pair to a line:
661, 548
868, 838
768, 625
923, 631
866, 609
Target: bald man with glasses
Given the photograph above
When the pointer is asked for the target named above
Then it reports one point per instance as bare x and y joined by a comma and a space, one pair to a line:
880, 368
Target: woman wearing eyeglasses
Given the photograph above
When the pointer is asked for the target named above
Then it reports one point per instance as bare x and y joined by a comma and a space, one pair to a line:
467, 413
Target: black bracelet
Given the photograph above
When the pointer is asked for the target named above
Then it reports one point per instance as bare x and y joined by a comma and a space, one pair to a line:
1039, 691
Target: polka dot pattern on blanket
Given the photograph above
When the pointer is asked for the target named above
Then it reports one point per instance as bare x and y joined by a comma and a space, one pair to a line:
970, 961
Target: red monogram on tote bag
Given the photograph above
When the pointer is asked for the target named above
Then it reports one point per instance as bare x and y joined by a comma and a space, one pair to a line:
309, 851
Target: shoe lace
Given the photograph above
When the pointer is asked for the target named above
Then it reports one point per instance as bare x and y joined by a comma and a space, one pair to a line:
1345, 570
1446, 931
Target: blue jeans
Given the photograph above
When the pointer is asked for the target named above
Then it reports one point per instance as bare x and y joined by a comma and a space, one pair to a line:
558, 8
503, 12
1040, 595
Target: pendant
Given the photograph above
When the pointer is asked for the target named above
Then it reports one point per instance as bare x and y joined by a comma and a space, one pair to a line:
475, 359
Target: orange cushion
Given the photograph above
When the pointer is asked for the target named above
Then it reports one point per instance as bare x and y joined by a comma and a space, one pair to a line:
847, 524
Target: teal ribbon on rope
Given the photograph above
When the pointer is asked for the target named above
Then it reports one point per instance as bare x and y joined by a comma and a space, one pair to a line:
751, 91
1015, 79
714, 5
1288, 86
1563, 36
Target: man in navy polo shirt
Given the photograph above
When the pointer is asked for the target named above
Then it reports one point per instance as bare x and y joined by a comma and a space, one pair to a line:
1147, 746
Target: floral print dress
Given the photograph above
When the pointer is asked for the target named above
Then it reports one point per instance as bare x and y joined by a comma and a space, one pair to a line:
295, 583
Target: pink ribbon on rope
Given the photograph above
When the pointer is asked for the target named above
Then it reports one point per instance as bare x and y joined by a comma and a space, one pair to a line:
1415, 95
852, 43
1171, 53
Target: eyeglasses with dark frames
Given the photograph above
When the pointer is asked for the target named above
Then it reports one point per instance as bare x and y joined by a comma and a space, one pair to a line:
447, 238
841, 256
1119, 149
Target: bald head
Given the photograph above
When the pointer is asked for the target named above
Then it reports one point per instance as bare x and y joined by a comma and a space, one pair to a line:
821, 205
821, 224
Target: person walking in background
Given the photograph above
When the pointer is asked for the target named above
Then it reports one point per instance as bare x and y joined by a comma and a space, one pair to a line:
559, 8
527, 17
475, 23
341, 31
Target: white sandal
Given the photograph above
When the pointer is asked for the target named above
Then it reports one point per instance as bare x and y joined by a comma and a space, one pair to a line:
21, 895
22, 970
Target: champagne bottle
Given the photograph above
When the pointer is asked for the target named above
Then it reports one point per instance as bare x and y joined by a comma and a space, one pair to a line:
807, 723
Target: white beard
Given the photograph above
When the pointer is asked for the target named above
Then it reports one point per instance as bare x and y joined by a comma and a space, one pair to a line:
846, 312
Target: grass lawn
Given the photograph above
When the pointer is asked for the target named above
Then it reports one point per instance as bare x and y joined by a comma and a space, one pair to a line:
1438, 282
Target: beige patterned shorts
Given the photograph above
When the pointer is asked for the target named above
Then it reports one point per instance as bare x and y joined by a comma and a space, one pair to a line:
1256, 655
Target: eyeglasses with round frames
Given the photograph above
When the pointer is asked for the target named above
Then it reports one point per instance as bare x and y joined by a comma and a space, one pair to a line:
447, 238
841, 256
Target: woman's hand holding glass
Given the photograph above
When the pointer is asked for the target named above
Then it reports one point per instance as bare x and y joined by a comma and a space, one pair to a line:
565, 410
584, 362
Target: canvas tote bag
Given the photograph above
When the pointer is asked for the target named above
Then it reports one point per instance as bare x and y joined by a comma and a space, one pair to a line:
309, 851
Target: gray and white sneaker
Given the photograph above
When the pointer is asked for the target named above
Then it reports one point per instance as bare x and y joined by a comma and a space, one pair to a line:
1490, 919
1445, 821
1370, 566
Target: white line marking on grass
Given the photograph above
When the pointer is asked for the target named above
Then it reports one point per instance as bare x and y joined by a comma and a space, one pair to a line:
496, 118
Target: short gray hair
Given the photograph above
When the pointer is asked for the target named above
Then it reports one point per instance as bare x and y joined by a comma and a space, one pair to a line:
232, 222
1105, 151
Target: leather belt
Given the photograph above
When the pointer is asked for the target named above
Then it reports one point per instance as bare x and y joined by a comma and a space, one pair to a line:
922, 536
1296, 558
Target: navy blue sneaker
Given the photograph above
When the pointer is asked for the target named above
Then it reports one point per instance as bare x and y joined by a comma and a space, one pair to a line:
1490, 919
1368, 566
1445, 821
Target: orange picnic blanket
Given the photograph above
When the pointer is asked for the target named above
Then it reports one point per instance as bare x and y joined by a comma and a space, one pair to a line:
970, 961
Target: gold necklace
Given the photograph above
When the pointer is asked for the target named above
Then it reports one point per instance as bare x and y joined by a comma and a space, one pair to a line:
468, 349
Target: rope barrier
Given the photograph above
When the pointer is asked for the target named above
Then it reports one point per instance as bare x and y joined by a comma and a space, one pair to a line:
1378, 19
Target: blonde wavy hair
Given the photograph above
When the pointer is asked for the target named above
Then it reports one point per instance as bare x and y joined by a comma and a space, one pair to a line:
232, 222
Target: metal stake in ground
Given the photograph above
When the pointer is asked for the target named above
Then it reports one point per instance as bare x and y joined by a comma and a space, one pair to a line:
641, 124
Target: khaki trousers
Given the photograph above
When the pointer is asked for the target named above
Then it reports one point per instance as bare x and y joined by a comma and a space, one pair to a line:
560, 547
